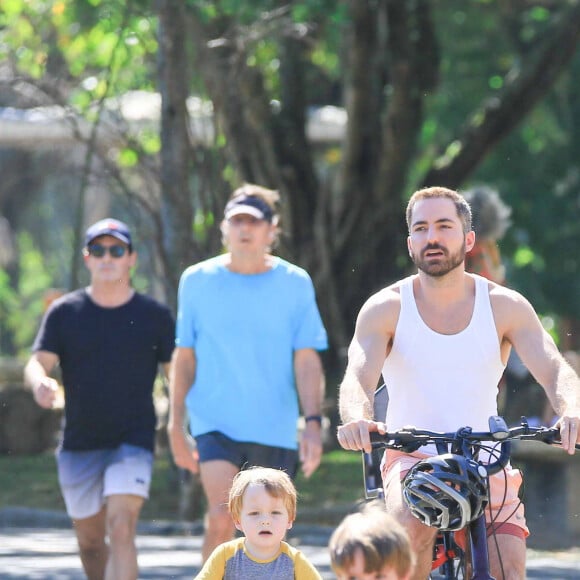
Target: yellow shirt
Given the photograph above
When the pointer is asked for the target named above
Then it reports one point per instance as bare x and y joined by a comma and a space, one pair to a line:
231, 561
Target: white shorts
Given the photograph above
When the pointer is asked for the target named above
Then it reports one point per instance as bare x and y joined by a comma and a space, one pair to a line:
87, 478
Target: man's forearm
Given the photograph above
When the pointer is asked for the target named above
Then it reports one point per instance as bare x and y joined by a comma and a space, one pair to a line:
181, 377
34, 373
177, 394
354, 402
565, 395
309, 382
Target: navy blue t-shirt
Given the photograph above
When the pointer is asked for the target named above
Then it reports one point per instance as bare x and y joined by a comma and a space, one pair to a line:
109, 359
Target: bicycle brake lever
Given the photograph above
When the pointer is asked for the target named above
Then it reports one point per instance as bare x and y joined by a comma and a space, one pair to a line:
411, 447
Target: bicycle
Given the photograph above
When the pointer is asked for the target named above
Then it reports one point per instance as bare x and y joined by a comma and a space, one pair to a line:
434, 485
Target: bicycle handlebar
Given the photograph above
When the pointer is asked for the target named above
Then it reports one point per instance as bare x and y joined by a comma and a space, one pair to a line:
410, 439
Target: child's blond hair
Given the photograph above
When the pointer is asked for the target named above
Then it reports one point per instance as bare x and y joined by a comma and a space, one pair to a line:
380, 538
275, 481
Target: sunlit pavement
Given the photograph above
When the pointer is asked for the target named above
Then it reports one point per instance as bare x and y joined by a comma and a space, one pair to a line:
44, 554
51, 553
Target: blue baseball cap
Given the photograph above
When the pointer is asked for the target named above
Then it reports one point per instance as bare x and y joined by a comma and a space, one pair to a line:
109, 227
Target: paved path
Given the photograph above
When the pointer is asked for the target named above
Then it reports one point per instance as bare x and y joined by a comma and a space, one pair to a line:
48, 551
52, 554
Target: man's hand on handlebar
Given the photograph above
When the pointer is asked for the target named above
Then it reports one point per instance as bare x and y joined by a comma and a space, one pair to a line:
569, 425
354, 435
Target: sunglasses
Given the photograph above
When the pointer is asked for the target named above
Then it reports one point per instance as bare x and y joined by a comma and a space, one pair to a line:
98, 251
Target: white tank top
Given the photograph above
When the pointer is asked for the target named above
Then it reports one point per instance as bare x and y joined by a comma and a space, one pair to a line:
443, 382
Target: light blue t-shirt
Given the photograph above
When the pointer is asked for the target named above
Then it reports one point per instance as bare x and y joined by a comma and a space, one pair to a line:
244, 329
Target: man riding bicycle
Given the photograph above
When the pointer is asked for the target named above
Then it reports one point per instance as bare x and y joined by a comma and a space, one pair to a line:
441, 339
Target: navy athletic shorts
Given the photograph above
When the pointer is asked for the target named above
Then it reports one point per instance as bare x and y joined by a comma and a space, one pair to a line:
215, 445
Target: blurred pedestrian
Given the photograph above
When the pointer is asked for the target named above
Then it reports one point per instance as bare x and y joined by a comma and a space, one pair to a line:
248, 332
490, 221
109, 341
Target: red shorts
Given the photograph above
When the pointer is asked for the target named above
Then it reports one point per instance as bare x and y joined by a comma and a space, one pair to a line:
505, 511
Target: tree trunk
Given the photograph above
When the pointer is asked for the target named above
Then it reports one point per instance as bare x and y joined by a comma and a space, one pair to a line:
176, 229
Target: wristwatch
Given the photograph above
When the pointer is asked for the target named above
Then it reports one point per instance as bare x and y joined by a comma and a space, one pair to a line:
317, 418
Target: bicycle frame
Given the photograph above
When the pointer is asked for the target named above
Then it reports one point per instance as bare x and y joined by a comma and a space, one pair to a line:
453, 559
445, 554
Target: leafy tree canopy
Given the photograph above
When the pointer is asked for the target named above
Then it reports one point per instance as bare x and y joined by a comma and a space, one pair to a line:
449, 93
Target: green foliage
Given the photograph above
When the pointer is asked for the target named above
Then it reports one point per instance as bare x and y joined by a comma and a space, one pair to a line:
534, 168
524, 256
150, 141
109, 40
22, 307
34, 277
338, 481
33, 474
8, 302
535, 171
92, 49
128, 157
31, 481
202, 223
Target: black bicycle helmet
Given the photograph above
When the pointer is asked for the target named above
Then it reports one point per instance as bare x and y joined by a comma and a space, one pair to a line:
446, 491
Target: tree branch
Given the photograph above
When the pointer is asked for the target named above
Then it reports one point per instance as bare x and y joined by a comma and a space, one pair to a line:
498, 116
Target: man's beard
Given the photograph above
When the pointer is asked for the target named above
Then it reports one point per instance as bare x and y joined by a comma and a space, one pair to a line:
438, 268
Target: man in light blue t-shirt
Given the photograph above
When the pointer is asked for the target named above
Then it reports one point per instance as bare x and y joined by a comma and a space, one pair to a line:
248, 332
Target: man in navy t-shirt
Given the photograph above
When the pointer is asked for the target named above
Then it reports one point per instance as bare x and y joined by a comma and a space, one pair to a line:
109, 341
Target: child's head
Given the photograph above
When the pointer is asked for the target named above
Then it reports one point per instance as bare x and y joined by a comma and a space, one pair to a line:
368, 543
262, 503
276, 483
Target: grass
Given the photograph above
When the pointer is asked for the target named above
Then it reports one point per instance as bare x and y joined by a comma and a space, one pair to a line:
31, 481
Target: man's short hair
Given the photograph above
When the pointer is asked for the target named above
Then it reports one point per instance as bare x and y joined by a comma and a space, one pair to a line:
461, 205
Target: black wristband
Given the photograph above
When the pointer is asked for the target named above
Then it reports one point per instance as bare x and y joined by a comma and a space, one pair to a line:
317, 418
